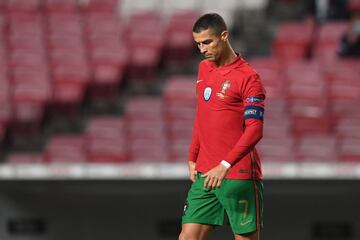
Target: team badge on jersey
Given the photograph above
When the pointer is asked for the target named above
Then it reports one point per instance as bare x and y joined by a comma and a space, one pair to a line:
207, 93
224, 86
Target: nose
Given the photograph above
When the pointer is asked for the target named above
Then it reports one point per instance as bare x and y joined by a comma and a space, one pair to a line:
202, 48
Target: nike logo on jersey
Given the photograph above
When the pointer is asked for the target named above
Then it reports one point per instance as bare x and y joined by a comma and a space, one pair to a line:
199, 81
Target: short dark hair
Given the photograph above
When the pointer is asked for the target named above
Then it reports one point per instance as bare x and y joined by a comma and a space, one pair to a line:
211, 21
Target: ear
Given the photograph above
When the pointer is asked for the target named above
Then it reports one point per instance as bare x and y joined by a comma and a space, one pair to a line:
224, 36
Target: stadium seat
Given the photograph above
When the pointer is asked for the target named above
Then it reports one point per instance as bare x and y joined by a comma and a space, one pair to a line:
279, 127
69, 86
68, 6
149, 150
306, 81
144, 108
65, 149
292, 42
349, 150
145, 41
179, 149
276, 149
321, 148
348, 126
344, 108
180, 44
65, 42
103, 24
109, 64
108, 6
310, 117
21, 6
26, 59
106, 140
25, 158
328, 41
180, 90
27, 42
146, 129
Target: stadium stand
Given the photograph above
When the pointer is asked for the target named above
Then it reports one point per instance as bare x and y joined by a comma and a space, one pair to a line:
60, 54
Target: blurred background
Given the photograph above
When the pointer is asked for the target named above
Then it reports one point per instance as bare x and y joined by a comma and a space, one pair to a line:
97, 103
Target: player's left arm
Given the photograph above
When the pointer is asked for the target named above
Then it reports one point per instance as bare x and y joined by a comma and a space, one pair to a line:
253, 94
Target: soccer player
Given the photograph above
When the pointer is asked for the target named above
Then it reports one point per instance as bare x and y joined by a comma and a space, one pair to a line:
223, 164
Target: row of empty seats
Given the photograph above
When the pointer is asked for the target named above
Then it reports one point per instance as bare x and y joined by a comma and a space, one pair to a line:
299, 40
158, 129
153, 129
55, 53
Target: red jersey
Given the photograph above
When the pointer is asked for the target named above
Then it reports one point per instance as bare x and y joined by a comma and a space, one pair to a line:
229, 119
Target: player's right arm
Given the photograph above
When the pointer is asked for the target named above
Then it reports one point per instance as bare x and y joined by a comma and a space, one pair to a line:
193, 152
195, 143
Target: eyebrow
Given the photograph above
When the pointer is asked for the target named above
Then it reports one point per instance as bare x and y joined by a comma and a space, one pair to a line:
206, 41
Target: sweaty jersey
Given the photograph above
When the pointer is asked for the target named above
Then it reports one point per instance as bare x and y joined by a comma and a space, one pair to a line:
229, 119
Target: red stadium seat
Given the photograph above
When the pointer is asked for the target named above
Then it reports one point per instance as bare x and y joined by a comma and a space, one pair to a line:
28, 44
103, 24
108, 6
70, 82
65, 149
25, 158
144, 108
317, 148
348, 126
277, 128
66, 58
25, 126
344, 108
292, 41
145, 129
180, 113
310, 117
179, 150
276, 149
273, 79
21, 6
106, 140
144, 150
180, 90
107, 151
328, 41
61, 5
349, 149
180, 44
108, 59
145, 37
65, 42
27, 59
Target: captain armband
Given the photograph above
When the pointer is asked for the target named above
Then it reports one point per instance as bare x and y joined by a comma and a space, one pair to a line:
254, 112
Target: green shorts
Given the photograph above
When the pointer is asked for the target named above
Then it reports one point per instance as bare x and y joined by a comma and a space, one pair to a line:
242, 200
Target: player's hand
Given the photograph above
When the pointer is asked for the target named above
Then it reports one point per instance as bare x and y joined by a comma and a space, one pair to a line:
192, 171
215, 176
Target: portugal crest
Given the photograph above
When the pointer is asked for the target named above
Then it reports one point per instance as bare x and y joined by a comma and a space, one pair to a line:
224, 86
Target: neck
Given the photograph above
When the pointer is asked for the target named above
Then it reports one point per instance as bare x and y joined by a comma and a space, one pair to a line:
227, 57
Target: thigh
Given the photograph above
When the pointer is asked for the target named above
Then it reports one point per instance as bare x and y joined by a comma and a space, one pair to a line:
251, 236
195, 231
242, 200
202, 206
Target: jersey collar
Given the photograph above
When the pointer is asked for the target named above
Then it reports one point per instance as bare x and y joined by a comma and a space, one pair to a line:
223, 70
